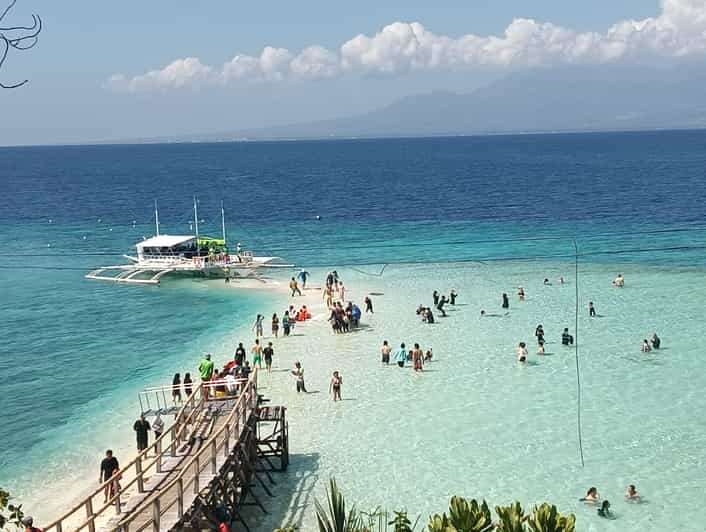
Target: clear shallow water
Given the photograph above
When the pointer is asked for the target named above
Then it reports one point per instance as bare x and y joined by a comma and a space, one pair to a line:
76, 352
479, 424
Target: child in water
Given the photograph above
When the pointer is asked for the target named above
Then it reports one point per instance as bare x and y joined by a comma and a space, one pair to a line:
335, 386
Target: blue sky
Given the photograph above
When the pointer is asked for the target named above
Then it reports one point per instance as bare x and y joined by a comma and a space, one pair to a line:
70, 97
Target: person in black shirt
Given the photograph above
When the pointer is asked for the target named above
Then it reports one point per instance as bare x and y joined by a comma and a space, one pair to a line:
240, 354
109, 465
268, 352
141, 427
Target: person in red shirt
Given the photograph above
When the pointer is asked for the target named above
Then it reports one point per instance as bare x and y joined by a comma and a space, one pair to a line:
27, 522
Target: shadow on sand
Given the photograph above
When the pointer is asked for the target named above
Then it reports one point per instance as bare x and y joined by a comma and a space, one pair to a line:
292, 496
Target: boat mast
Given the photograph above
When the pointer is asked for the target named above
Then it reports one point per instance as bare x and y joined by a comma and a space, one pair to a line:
156, 217
196, 226
223, 223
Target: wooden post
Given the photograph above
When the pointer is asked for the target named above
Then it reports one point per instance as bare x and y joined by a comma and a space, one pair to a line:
226, 446
138, 473
196, 475
155, 515
118, 507
158, 450
58, 527
172, 449
89, 514
214, 465
180, 498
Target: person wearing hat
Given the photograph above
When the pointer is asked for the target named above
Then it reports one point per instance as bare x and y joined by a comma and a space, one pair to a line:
27, 522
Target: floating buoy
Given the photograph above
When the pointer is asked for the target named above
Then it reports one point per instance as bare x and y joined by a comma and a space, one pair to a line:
48, 245
100, 220
51, 221
318, 217
84, 237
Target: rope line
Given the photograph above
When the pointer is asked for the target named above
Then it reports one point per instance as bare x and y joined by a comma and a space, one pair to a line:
576, 352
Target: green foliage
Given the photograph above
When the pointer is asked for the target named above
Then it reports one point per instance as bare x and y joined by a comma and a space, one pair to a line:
14, 515
546, 518
334, 518
466, 516
401, 523
287, 528
512, 518
439, 523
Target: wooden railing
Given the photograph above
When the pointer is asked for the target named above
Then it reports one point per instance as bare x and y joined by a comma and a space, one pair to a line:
184, 487
84, 514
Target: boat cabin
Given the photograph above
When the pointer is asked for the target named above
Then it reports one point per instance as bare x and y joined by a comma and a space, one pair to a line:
169, 248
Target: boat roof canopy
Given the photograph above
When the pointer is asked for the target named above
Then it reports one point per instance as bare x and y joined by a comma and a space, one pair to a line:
164, 241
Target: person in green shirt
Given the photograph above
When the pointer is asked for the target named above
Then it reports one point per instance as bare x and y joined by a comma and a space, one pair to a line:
206, 368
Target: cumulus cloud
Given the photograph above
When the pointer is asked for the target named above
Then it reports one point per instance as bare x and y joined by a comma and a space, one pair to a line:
679, 30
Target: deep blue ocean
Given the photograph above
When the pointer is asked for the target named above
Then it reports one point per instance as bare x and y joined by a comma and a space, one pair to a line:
72, 348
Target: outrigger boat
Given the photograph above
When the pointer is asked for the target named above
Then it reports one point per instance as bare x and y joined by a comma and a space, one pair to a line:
196, 255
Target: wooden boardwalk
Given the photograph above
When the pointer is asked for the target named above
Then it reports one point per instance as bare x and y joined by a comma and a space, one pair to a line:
210, 454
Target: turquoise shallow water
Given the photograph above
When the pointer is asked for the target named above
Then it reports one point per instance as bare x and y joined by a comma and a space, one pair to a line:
75, 352
479, 424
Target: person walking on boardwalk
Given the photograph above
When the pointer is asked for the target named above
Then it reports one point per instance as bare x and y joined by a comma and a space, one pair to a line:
176, 388
298, 372
239, 354
187, 385
141, 428
294, 286
158, 427
109, 465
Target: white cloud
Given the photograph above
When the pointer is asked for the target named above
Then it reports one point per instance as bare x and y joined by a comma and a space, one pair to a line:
678, 31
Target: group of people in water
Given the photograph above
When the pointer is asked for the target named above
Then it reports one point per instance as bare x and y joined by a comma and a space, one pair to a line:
567, 338
594, 498
415, 355
439, 301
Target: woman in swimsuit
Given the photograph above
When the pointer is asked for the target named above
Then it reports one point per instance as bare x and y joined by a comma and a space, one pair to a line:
521, 293
257, 326
275, 325
522, 352
335, 386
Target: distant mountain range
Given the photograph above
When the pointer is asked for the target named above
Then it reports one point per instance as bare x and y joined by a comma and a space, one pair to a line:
580, 98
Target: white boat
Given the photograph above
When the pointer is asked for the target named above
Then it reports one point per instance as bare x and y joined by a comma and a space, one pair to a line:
184, 254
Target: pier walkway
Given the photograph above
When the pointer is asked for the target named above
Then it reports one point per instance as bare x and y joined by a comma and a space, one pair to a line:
209, 457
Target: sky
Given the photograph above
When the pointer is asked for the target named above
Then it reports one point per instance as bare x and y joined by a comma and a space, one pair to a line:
129, 70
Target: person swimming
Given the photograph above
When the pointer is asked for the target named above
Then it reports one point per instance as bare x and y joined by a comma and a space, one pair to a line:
592, 496
521, 293
632, 494
619, 281
656, 342
566, 338
604, 510
546, 282
522, 352
645, 346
